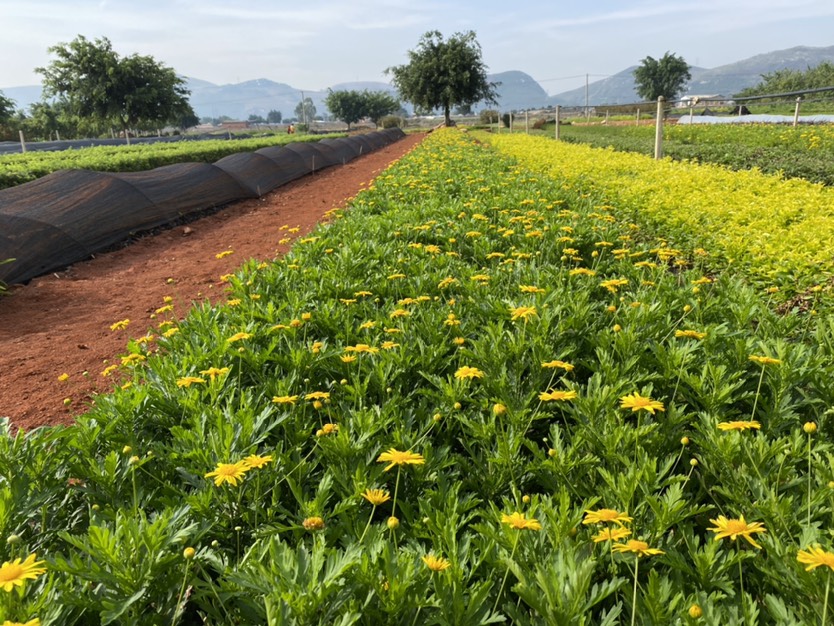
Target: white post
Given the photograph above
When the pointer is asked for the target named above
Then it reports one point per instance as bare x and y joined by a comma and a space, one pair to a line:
691, 107
606, 115
658, 130
558, 115
638, 118
526, 122
22, 141
796, 112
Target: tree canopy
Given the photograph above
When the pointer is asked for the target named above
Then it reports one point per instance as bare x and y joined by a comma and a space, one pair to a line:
352, 106
133, 91
442, 74
305, 110
786, 80
6, 109
665, 77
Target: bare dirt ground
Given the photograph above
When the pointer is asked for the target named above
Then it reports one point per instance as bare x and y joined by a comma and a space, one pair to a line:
60, 323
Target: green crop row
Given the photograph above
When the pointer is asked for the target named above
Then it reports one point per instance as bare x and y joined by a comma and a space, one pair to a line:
476, 396
16, 169
803, 152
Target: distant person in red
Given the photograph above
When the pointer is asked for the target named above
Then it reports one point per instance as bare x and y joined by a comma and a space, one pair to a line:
290, 129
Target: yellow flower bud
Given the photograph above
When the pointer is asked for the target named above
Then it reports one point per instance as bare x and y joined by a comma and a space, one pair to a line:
188, 553
693, 462
393, 523
809, 427
525, 499
684, 441
551, 453
499, 409
695, 611
457, 406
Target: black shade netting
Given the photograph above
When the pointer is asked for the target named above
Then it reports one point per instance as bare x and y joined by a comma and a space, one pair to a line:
65, 217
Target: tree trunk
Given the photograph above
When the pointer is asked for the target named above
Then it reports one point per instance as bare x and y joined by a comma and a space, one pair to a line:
448, 114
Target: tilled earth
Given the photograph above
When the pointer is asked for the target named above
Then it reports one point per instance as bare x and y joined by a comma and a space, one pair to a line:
60, 324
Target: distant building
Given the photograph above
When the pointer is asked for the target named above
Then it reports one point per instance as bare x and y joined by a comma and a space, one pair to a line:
715, 100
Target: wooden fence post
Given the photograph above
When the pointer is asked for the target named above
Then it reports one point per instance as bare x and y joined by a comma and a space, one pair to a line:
526, 122
796, 112
558, 115
638, 117
658, 129
22, 141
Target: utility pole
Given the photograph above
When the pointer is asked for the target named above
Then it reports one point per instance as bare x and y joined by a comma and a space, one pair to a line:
587, 110
303, 109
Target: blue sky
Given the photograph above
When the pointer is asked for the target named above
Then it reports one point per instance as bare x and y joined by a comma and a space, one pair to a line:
313, 44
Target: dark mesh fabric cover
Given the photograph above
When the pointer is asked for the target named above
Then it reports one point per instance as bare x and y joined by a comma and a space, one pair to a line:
362, 145
181, 188
255, 172
342, 149
314, 158
66, 216
290, 163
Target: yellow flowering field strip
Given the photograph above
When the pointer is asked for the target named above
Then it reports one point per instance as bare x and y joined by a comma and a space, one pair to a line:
778, 230
805, 152
475, 396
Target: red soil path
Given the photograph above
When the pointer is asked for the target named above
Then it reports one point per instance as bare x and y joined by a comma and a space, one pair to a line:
60, 323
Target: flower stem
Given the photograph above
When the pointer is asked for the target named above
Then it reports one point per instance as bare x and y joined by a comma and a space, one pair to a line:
178, 607
758, 389
634, 593
741, 591
368, 525
809, 479
825, 601
507, 573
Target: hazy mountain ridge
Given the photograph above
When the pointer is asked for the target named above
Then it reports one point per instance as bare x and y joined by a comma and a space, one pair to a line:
726, 80
516, 89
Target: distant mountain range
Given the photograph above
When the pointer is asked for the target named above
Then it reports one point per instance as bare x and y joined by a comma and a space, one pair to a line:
516, 89
725, 80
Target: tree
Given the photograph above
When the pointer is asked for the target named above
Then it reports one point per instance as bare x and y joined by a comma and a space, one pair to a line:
352, 106
7, 112
664, 77
274, 117
378, 104
443, 73
306, 110
95, 82
787, 80
6, 109
347, 106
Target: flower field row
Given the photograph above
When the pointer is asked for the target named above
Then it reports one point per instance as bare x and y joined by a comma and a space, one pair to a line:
805, 152
776, 230
16, 169
475, 396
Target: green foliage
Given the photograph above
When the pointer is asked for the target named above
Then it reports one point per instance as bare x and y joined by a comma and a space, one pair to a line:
6, 109
94, 81
787, 80
442, 73
392, 121
417, 280
16, 169
305, 110
805, 152
489, 116
352, 106
665, 77
274, 117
